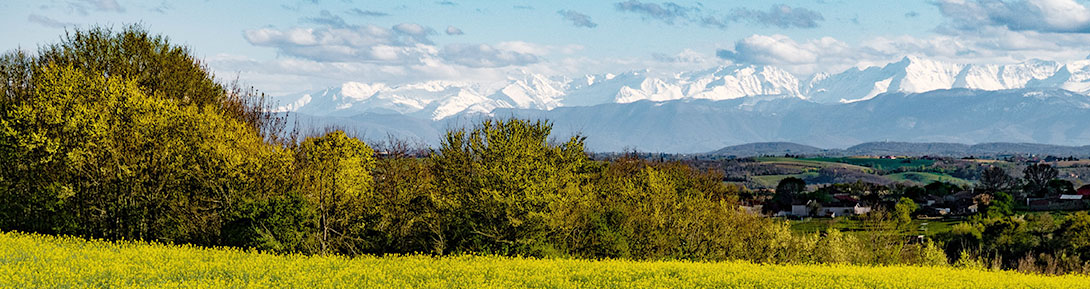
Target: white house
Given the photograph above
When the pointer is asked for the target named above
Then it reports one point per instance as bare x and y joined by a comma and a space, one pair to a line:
805, 211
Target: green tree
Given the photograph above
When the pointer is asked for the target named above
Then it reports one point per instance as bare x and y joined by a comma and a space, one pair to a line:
788, 191
903, 214
1057, 187
335, 176
505, 179
1037, 177
407, 203
1001, 205
995, 179
124, 135
1074, 234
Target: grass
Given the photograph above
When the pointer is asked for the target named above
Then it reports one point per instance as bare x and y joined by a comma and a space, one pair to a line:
876, 163
862, 164
770, 181
924, 178
810, 163
37, 261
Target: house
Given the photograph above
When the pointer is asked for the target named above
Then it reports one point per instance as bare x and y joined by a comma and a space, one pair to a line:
832, 209
1058, 202
1070, 197
960, 203
1084, 190
855, 209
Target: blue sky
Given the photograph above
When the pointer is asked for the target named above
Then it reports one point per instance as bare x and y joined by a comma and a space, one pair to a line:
292, 46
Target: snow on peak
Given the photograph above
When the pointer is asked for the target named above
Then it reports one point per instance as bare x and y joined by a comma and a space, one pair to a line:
361, 91
911, 74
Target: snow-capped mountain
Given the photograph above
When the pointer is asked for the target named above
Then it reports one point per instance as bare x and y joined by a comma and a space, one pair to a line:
915, 75
913, 99
1031, 115
438, 100
431, 100
1027, 115
441, 99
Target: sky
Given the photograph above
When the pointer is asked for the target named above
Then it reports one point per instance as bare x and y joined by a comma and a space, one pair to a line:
287, 47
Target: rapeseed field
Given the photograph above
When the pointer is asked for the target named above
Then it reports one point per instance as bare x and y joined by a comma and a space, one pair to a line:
40, 261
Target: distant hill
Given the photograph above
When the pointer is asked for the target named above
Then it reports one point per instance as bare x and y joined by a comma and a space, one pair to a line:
768, 148
963, 150
1024, 148
909, 148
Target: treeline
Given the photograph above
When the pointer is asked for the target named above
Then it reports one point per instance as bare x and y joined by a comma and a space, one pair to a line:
1038, 243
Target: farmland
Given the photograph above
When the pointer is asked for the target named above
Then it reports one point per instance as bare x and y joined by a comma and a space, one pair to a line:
766, 172
878, 163
47, 261
927, 178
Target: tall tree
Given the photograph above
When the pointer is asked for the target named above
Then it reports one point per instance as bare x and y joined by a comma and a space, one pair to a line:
1037, 177
335, 175
995, 179
787, 192
504, 177
125, 135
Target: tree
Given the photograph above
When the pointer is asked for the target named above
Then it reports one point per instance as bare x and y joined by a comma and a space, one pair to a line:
937, 188
1074, 234
1008, 238
1057, 187
407, 203
125, 135
787, 193
1037, 177
1001, 205
335, 176
503, 178
902, 213
995, 179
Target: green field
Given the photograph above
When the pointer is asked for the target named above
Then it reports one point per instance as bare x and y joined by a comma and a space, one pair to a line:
810, 163
876, 163
924, 178
36, 261
770, 181
865, 165
809, 166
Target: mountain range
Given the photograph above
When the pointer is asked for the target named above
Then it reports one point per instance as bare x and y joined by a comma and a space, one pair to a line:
914, 99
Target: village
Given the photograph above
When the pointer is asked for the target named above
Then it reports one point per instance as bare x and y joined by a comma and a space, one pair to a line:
1044, 184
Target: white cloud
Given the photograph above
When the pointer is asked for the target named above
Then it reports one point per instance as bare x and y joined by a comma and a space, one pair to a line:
404, 43
779, 15
577, 19
988, 45
772, 49
451, 30
1063, 16
483, 55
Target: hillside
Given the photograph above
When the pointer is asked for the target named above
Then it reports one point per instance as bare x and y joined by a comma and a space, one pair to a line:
767, 148
964, 150
34, 260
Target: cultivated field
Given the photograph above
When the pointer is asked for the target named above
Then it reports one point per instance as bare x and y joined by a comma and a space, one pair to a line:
35, 261
925, 178
811, 168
